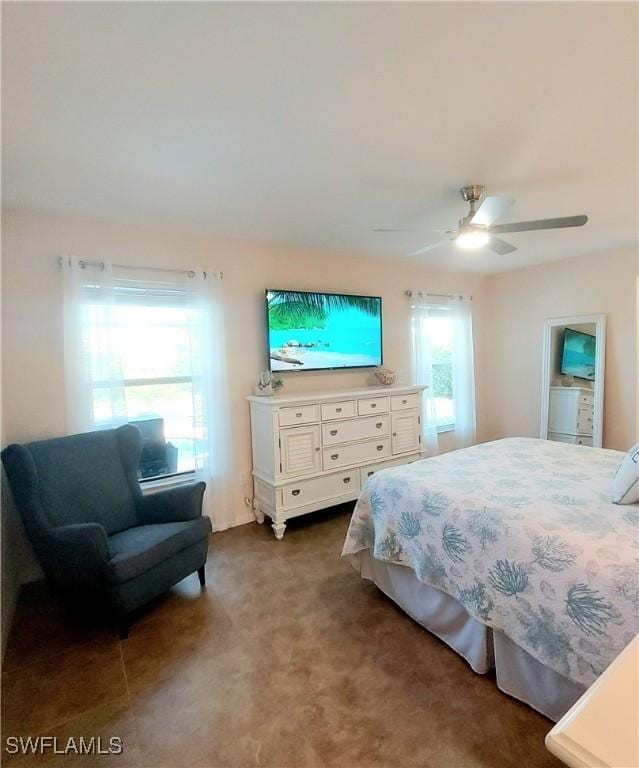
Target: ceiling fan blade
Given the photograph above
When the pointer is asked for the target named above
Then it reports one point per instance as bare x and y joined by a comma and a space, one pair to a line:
393, 229
431, 247
500, 246
525, 226
490, 210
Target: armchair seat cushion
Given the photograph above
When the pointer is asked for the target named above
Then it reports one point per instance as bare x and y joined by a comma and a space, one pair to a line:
136, 550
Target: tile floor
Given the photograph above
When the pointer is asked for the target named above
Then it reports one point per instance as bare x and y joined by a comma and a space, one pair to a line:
287, 659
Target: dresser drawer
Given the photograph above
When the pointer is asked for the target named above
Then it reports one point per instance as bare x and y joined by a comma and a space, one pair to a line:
357, 453
585, 399
320, 488
371, 469
355, 429
303, 414
574, 439
584, 424
402, 402
372, 405
343, 410
558, 437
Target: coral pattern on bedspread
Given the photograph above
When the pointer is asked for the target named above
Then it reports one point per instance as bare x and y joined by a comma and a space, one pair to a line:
524, 534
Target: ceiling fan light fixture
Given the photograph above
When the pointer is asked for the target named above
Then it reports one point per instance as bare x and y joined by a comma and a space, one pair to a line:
472, 238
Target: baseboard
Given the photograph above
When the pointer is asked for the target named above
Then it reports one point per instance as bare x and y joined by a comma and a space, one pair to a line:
247, 516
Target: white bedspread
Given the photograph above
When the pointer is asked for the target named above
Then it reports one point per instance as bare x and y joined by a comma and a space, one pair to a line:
523, 533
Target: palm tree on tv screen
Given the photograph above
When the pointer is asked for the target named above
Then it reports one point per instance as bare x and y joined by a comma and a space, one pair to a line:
296, 309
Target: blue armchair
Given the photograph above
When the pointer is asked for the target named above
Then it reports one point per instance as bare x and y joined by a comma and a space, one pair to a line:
97, 537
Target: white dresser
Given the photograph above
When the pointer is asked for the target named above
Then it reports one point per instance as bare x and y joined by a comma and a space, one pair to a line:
315, 450
571, 415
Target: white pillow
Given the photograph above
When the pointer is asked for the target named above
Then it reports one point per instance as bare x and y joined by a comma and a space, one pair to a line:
625, 487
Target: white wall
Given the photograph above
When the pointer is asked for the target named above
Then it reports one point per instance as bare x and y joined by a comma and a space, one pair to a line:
32, 371
509, 311
520, 301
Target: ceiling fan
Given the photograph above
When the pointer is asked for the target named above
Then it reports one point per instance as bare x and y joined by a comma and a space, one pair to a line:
478, 229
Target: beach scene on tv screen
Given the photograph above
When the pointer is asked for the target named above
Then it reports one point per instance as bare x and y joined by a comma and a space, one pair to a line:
309, 331
579, 355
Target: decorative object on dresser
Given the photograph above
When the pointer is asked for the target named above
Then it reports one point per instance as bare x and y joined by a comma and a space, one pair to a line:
268, 384
385, 376
312, 451
571, 414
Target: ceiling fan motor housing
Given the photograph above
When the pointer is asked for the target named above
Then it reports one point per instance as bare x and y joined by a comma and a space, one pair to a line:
471, 195
472, 192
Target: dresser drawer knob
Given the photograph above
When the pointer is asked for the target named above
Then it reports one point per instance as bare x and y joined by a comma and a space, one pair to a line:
299, 415
338, 410
394, 434
380, 447
296, 492
404, 402
346, 479
333, 432
373, 405
335, 456
379, 425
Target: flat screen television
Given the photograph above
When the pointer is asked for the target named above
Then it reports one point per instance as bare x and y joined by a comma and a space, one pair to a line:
578, 356
323, 331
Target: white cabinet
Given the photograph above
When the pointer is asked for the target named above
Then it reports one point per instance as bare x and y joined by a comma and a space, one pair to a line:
314, 451
571, 415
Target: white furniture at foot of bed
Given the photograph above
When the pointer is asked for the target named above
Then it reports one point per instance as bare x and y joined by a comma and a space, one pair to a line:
518, 673
602, 728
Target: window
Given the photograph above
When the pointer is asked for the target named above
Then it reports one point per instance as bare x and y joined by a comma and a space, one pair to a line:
442, 347
147, 345
439, 328
139, 346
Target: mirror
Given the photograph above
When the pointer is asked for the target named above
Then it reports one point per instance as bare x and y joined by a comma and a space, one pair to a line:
572, 381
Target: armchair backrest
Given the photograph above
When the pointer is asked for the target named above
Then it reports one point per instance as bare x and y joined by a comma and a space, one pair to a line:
87, 478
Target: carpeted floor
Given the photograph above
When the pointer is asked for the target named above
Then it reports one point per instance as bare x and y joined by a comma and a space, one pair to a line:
288, 659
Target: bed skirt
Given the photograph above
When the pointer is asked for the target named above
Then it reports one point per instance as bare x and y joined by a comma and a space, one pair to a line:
518, 673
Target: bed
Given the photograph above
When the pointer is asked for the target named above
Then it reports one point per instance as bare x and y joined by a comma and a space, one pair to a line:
513, 554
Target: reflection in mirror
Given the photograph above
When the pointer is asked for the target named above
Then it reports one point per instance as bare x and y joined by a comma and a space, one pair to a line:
572, 380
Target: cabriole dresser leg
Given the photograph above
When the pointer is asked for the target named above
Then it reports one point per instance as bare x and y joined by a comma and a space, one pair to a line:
279, 529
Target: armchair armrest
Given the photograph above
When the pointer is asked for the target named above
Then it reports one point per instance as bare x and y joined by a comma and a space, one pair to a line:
82, 545
174, 505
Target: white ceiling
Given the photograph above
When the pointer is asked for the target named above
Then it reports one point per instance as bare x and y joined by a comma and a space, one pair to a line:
310, 123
